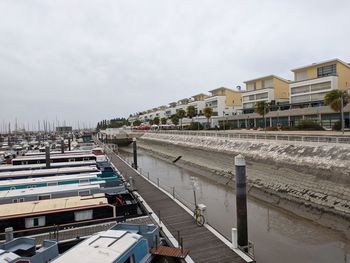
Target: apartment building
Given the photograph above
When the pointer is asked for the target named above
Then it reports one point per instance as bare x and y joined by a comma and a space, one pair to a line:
312, 82
272, 89
198, 103
224, 101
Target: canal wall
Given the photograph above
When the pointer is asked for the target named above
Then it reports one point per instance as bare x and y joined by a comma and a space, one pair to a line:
309, 180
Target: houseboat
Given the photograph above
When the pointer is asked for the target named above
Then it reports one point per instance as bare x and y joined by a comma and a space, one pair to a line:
48, 172
120, 244
12, 168
57, 191
12, 184
37, 153
54, 159
44, 215
24, 250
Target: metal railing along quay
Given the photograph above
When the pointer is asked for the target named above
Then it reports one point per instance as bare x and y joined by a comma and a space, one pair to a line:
262, 136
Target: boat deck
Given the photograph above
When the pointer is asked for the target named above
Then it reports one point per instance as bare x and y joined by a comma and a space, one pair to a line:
203, 245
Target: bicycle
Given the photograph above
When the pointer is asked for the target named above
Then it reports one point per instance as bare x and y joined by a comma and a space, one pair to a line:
197, 213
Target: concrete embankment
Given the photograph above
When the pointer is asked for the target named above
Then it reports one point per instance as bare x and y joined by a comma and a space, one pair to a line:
310, 180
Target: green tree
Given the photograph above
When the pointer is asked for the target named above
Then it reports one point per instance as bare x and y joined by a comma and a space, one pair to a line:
175, 119
208, 112
181, 114
337, 100
163, 121
156, 120
191, 112
137, 123
262, 108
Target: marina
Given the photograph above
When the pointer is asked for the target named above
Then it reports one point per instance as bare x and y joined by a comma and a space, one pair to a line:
44, 197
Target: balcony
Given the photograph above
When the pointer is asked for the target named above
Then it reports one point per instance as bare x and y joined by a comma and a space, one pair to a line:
312, 89
249, 98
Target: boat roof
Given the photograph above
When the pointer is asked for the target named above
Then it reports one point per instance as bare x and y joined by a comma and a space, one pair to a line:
8, 256
49, 179
51, 205
43, 165
50, 189
108, 246
51, 171
41, 157
36, 153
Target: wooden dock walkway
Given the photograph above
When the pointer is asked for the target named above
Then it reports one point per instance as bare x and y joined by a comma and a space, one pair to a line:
204, 246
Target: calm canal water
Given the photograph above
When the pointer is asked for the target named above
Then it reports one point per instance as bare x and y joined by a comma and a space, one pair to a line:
277, 235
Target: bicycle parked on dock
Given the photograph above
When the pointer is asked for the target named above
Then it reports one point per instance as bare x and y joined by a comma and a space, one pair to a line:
197, 213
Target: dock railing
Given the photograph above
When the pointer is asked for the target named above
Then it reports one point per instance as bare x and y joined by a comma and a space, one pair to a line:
262, 136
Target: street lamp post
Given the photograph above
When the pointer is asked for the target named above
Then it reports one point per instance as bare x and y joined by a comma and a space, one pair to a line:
342, 112
223, 113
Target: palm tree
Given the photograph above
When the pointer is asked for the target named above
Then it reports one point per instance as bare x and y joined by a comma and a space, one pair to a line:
262, 108
163, 120
208, 112
180, 114
191, 112
337, 100
156, 120
175, 119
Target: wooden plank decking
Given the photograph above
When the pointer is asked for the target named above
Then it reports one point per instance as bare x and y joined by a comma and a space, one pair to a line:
203, 245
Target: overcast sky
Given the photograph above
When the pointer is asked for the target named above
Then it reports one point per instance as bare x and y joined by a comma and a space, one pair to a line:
91, 60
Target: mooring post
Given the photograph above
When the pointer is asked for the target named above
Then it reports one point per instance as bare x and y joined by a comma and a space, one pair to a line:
241, 203
135, 152
234, 238
62, 146
8, 234
69, 146
47, 156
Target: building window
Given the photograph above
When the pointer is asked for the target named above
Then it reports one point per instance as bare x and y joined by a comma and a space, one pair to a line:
251, 86
329, 70
267, 83
321, 86
262, 96
35, 222
301, 89
83, 215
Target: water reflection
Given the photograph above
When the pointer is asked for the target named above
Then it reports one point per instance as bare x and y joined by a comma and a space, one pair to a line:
277, 236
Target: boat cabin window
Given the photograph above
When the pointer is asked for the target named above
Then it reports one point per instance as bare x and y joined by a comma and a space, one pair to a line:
24, 162
52, 184
19, 200
86, 159
84, 193
130, 259
44, 197
83, 215
82, 181
35, 222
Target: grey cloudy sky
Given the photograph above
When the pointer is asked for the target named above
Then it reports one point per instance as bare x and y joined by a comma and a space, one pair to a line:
90, 60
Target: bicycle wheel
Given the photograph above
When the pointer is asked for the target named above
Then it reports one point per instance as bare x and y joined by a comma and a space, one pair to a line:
200, 220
